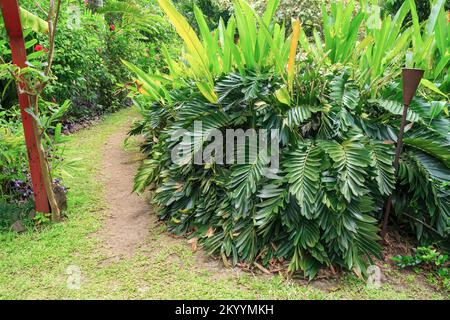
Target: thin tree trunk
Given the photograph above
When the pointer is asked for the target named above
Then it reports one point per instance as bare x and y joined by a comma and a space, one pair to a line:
48, 181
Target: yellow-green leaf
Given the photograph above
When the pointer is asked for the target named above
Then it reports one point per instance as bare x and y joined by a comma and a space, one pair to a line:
33, 22
282, 95
208, 91
293, 52
186, 32
430, 85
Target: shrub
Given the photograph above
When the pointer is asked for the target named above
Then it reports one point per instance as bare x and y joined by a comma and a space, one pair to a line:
308, 11
320, 210
423, 7
86, 70
15, 181
14, 185
13, 160
430, 259
80, 71
87, 67
336, 147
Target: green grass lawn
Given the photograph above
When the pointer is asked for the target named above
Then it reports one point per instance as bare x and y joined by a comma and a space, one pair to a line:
34, 265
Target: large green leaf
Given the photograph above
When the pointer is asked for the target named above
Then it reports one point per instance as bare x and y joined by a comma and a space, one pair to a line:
297, 115
382, 156
246, 177
350, 159
302, 168
344, 92
434, 143
199, 56
396, 108
434, 148
33, 22
273, 200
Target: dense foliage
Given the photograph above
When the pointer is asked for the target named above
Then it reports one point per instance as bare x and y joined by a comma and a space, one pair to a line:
212, 10
336, 106
12, 147
87, 66
15, 186
428, 259
87, 79
423, 7
308, 11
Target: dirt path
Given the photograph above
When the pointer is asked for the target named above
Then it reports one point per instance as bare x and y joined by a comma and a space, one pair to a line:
128, 215
130, 222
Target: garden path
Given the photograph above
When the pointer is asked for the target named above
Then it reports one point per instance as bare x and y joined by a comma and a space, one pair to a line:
128, 215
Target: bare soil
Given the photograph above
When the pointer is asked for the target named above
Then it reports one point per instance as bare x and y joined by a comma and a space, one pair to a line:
130, 222
128, 214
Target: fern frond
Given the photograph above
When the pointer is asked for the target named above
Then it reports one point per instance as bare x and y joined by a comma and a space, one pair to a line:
350, 160
396, 108
382, 156
302, 168
245, 179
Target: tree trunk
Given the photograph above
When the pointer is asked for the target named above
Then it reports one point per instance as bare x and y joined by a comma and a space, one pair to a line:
48, 181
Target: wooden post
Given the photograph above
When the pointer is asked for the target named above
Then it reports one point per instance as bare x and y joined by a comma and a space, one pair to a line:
11, 17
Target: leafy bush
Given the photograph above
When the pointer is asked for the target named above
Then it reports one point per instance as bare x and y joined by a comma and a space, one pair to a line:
89, 47
139, 33
377, 46
428, 258
15, 181
212, 9
80, 71
423, 7
13, 159
336, 143
320, 211
308, 11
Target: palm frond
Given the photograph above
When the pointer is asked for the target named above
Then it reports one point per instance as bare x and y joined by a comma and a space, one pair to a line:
350, 160
302, 168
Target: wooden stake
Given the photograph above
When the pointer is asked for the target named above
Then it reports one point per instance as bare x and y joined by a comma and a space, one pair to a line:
11, 17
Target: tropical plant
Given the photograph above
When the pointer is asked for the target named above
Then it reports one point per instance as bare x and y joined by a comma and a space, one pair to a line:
81, 68
213, 11
33, 79
86, 67
12, 148
320, 212
308, 11
15, 182
336, 137
427, 258
378, 47
423, 8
